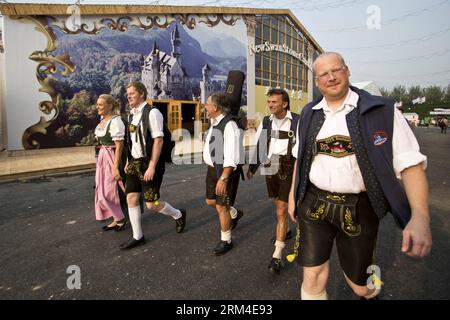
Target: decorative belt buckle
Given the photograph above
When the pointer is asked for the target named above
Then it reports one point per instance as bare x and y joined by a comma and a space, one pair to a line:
335, 198
290, 133
132, 128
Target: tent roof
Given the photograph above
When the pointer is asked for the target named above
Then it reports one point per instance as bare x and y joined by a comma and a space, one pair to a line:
369, 86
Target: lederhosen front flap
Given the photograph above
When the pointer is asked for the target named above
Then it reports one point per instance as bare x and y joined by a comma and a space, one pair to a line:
333, 206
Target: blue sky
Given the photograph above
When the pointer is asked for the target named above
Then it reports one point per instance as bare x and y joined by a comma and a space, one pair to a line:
391, 42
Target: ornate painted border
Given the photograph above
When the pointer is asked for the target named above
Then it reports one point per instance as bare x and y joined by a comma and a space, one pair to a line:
47, 63
122, 23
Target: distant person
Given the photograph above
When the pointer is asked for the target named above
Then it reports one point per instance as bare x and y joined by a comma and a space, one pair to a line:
145, 168
443, 124
222, 153
276, 138
110, 134
352, 148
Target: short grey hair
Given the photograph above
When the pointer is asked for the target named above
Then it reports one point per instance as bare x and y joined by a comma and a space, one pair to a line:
327, 54
221, 101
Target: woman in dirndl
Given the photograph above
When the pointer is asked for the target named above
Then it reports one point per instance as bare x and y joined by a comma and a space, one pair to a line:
110, 133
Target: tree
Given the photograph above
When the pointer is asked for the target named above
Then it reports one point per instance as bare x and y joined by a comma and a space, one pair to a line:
434, 96
447, 96
87, 140
90, 80
62, 87
414, 93
80, 106
122, 98
398, 94
118, 85
75, 133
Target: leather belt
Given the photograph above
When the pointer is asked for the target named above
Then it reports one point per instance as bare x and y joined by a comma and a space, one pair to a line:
278, 134
338, 198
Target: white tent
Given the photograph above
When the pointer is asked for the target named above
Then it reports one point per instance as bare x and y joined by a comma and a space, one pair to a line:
369, 86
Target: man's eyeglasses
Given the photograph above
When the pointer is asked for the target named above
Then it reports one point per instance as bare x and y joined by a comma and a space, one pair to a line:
332, 73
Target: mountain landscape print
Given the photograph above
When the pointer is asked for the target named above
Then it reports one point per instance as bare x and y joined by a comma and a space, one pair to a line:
107, 61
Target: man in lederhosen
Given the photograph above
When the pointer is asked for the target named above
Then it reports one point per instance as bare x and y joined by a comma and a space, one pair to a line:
223, 151
276, 135
145, 167
352, 148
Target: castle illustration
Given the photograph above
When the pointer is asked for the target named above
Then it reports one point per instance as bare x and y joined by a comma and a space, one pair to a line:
165, 78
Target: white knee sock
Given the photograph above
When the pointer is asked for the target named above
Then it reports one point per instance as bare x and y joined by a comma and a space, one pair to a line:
135, 219
225, 236
233, 212
320, 296
279, 246
168, 210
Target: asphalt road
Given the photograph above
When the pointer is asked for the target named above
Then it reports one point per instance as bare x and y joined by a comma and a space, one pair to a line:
48, 225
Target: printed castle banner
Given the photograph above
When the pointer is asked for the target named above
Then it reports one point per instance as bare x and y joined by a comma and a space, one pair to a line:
182, 57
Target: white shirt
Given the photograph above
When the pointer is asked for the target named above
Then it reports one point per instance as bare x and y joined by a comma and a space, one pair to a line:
342, 175
156, 122
116, 129
277, 146
233, 144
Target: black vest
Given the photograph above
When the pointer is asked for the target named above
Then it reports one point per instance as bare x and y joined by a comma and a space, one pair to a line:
143, 136
216, 144
262, 146
374, 116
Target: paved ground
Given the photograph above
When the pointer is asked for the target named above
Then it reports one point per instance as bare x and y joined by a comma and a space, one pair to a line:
48, 225
15, 165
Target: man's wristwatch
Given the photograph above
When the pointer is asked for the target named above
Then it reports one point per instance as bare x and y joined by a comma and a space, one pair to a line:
223, 178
